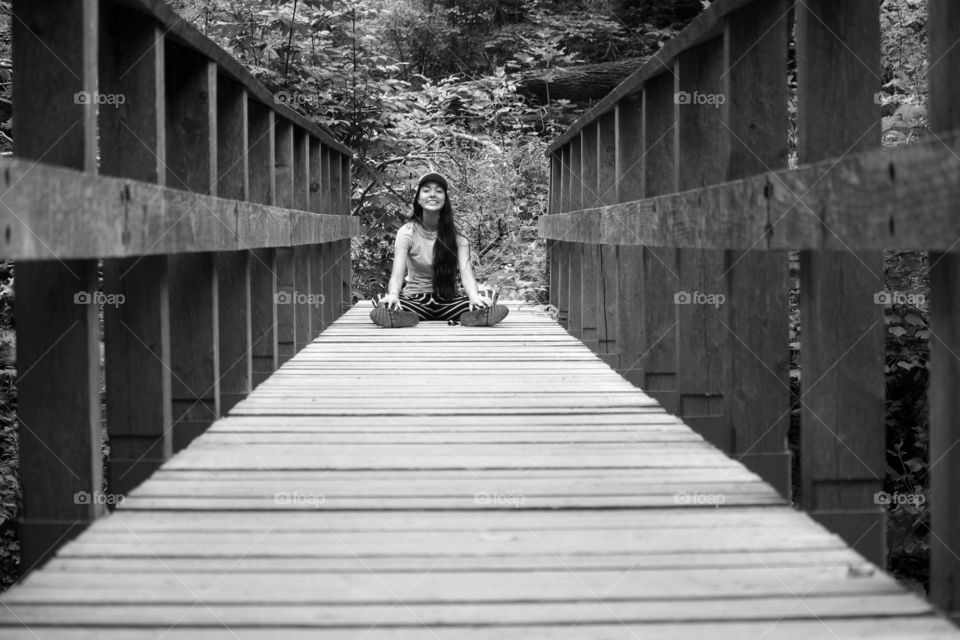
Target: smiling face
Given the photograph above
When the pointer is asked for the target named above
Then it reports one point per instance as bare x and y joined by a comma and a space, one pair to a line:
431, 196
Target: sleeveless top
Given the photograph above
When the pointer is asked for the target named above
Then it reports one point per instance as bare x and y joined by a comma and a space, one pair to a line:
416, 243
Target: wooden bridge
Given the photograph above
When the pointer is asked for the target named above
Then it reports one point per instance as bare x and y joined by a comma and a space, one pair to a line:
505, 482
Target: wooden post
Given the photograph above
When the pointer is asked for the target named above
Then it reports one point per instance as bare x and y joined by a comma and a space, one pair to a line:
589, 253
137, 332
629, 163
574, 249
660, 279
553, 249
701, 292
303, 303
57, 334
344, 300
757, 398
233, 267
943, 31
191, 137
563, 248
315, 168
608, 297
842, 353
263, 278
286, 291
327, 264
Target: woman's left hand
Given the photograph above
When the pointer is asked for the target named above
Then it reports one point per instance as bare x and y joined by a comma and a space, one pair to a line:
479, 302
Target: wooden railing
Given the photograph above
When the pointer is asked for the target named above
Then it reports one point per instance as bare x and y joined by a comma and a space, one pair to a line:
672, 212
219, 219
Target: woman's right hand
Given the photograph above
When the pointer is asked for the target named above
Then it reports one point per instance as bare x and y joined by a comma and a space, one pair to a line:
391, 301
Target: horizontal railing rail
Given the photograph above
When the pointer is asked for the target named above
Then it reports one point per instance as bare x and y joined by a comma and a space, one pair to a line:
163, 199
671, 214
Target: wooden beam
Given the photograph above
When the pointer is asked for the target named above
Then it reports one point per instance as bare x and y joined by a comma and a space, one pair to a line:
944, 467
233, 267
137, 332
589, 253
57, 323
898, 198
843, 457
608, 300
658, 350
700, 156
757, 395
191, 136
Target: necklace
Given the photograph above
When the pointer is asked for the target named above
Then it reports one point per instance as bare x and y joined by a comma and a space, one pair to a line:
426, 233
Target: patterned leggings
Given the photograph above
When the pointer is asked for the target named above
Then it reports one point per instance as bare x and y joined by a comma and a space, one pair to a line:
428, 307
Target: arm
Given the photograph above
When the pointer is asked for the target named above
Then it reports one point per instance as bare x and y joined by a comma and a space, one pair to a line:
400, 248
466, 275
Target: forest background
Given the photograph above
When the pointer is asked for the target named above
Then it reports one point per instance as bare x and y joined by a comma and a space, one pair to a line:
476, 89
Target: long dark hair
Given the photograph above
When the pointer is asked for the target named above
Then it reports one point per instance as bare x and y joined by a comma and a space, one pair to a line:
446, 268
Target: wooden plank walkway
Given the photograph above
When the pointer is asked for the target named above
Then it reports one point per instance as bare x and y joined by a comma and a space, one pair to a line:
452, 482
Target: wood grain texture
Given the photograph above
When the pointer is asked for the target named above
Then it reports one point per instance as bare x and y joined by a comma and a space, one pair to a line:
842, 355
352, 522
57, 334
944, 367
757, 393
882, 198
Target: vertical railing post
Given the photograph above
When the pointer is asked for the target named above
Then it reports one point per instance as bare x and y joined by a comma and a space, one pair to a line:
327, 263
632, 299
136, 333
191, 137
608, 270
263, 274
344, 300
589, 253
233, 267
944, 467
57, 334
701, 338
553, 248
286, 274
842, 352
316, 251
574, 248
757, 397
335, 249
302, 306
660, 280
562, 246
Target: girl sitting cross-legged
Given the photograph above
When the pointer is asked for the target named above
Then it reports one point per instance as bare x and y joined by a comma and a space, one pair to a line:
431, 252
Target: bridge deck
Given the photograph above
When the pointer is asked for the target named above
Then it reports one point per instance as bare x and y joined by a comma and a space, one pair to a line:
485, 483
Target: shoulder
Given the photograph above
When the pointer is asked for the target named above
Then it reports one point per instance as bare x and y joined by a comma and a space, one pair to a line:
405, 233
462, 240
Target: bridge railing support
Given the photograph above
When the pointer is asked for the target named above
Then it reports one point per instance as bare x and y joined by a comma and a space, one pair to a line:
697, 223
218, 219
